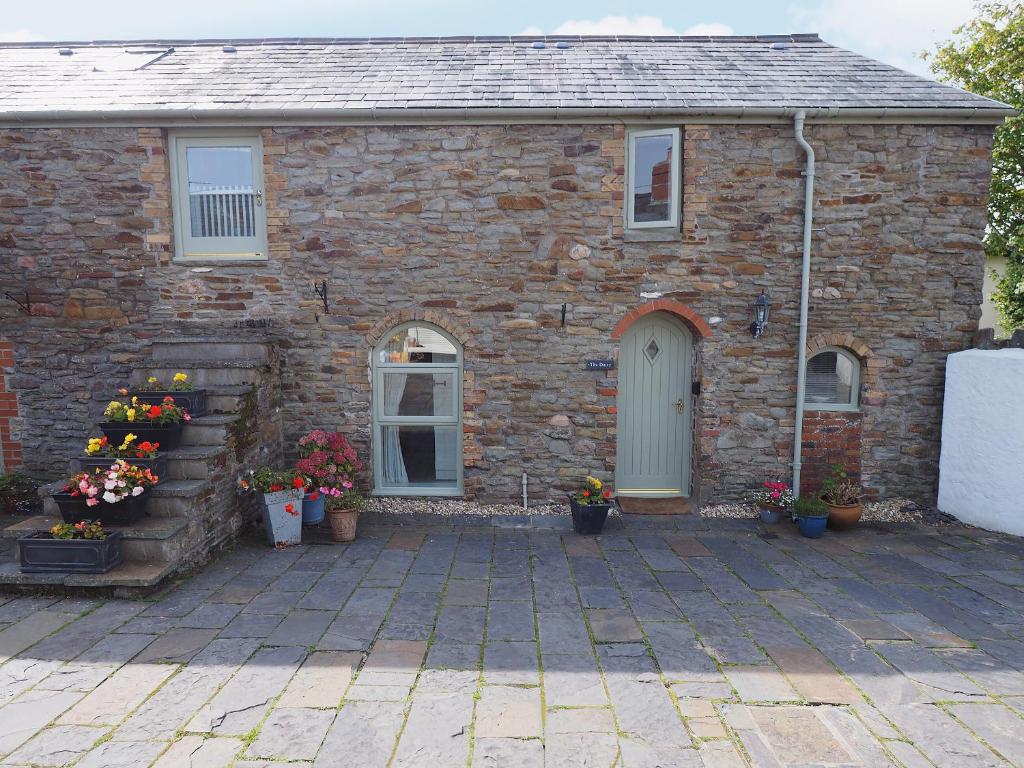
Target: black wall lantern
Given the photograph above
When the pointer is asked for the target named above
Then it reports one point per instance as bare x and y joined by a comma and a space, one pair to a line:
762, 308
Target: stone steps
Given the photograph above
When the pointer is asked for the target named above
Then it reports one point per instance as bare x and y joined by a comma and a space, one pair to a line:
207, 373
208, 430
180, 350
150, 539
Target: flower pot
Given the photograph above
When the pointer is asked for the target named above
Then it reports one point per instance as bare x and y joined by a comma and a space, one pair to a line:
157, 465
282, 526
588, 518
843, 517
9, 504
770, 514
41, 553
343, 523
73, 509
193, 401
313, 509
812, 527
168, 435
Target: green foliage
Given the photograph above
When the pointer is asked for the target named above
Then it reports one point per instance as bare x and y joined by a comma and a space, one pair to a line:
838, 489
16, 484
810, 506
987, 57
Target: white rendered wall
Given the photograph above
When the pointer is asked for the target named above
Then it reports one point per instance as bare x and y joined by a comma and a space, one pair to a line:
981, 471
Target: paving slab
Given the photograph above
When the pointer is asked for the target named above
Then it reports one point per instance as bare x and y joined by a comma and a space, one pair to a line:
292, 733
506, 712
322, 680
200, 752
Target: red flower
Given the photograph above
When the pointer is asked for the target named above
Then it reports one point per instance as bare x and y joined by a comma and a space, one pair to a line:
276, 487
607, 493
586, 494
298, 482
314, 496
290, 509
155, 412
168, 399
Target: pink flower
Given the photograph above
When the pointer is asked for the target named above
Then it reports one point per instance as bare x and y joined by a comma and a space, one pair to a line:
92, 502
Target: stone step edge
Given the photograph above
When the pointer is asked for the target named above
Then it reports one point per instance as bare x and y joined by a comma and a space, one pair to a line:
201, 365
132, 574
167, 489
146, 529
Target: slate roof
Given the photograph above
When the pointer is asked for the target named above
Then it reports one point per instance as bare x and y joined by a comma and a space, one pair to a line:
371, 77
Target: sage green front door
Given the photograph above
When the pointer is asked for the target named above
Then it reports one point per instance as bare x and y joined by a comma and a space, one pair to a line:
652, 456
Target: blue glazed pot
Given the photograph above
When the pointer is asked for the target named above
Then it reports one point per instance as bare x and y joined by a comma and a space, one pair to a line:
771, 515
313, 509
812, 527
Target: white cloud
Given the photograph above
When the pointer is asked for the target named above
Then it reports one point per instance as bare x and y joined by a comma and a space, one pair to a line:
893, 31
713, 28
628, 25
19, 36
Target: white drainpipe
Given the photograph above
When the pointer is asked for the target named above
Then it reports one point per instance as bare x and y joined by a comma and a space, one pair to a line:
525, 497
805, 287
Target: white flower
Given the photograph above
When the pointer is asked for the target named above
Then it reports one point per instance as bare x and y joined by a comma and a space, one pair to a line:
110, 498
110, 485
137, 490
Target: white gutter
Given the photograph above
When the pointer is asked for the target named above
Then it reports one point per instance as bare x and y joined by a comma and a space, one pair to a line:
805, 288
490, 115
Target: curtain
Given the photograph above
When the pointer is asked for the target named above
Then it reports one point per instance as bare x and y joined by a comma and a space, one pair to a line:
394, 464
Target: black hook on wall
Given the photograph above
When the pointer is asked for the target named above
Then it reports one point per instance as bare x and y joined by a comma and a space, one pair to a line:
24, 306
321, 291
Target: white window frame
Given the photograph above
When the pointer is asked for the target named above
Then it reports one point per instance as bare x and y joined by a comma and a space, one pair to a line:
853, 404
379, 419
631, 136
191, 249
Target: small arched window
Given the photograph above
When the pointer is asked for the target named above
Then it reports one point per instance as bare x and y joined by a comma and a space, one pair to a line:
417, 412
833, 381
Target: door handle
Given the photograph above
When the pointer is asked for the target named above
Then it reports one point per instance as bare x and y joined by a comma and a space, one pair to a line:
259, 197
680, 405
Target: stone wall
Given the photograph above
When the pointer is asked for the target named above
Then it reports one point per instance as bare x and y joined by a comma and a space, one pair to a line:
489, 230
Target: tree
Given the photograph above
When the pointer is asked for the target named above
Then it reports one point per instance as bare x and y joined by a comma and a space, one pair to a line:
986, 57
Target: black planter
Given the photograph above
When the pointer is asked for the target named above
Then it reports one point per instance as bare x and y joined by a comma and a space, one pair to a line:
41, 553
73, 509
156, 465
588, 518
168, 435
193, 401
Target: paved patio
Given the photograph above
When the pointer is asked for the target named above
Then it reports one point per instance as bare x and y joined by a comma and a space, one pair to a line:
715, 644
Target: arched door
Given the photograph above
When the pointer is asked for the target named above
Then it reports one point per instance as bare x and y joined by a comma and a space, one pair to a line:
655, 404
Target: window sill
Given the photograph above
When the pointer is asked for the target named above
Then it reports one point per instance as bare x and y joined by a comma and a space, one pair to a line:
830, 408
186, 261
449, 493
653, 235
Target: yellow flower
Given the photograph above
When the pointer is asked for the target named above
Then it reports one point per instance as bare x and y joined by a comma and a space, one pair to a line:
113, 408
131, 414
94, 446
595, 482
127, 441
152, 379
181, 377
135, 400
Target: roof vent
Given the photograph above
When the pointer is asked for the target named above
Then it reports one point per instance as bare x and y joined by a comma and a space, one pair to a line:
229, 49
65, 51
562, 45
539, 44
779, 46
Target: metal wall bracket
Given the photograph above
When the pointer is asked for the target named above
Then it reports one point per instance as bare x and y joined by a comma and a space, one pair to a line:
25, 306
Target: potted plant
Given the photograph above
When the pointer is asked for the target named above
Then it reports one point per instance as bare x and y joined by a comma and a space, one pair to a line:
100, 454
772, 499
112, 496
280, 493
327, 461
811, 515
154, 423
843, 497
590, 506
15, 488
343, 508
82, 547
188, 397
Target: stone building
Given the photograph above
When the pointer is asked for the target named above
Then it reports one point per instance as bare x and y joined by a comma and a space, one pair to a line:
534, 257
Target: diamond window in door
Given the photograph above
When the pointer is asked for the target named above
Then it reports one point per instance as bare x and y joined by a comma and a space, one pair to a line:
651, 350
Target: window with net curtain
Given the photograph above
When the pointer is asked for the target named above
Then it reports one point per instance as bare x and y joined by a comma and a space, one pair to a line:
833, 381
417, 394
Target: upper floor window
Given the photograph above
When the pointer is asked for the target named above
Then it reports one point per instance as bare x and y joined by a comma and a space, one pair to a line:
217, 192
652, 178
833, 381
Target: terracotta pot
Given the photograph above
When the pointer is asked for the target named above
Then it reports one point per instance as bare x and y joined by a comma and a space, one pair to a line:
846, 516
343, 523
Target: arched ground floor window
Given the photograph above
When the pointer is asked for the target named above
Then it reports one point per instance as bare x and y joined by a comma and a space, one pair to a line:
417, 412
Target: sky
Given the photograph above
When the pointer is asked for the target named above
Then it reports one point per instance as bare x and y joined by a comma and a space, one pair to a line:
893, 31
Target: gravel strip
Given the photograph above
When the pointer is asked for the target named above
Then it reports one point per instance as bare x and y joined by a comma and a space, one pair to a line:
888, 511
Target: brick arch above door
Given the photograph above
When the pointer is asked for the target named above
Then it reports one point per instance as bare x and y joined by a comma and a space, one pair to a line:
415, 314
692, 320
